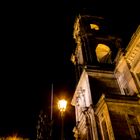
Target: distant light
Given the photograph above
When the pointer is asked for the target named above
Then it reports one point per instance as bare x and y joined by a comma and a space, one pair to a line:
13, 138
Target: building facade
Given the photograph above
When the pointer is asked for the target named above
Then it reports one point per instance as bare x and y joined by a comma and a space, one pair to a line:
107, 94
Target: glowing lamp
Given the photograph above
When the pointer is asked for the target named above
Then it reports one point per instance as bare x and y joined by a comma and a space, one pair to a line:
62, 104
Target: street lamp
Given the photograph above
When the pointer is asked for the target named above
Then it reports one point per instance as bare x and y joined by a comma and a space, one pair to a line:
62, 107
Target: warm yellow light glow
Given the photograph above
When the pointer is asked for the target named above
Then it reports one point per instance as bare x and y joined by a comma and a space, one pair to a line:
94, 26
62, 105
13, 138
102, 52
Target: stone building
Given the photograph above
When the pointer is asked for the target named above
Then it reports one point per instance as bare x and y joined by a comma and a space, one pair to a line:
106, 98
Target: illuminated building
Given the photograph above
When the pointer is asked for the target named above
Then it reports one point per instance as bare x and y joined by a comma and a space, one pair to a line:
106, 98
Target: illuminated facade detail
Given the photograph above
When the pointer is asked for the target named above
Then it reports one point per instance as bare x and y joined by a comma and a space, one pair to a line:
133, 56
107, 91
128, 68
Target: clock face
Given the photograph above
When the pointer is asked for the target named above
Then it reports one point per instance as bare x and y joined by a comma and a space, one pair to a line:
103, 53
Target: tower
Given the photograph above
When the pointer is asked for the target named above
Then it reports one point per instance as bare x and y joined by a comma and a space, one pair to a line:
106, 93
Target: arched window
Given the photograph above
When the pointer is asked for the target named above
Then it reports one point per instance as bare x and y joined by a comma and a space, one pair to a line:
94, 26
103, 53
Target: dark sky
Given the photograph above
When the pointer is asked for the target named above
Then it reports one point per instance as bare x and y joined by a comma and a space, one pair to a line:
35, 52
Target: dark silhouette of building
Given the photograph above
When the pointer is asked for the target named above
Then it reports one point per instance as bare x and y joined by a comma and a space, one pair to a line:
106, 98
44, 126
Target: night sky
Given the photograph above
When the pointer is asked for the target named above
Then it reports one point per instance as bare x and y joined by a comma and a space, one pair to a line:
36, 47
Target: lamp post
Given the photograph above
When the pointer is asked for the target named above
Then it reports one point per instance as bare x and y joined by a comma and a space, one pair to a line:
62, 107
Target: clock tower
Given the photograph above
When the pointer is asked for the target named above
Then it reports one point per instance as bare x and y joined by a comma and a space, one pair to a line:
96, 47
106, 93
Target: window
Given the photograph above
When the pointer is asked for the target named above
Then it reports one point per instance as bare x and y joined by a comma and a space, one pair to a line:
103, 53
105, 133
134, 127
94, 26
126, 91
